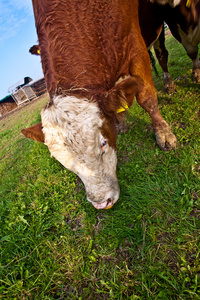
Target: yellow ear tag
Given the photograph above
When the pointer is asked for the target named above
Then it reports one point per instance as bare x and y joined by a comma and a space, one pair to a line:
123, 107
188, 3
38, 51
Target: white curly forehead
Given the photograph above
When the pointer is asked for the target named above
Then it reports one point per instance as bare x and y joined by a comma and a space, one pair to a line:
69, 109
70, 126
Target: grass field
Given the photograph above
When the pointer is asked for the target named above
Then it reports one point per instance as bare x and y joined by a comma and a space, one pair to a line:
55, 245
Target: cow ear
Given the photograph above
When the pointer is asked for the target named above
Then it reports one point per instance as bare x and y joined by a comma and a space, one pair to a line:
121, 96
34, 132
35, 50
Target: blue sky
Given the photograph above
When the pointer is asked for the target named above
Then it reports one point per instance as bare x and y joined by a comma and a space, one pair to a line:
17, 35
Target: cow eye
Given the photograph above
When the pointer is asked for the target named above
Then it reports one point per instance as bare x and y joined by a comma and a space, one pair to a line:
103, 144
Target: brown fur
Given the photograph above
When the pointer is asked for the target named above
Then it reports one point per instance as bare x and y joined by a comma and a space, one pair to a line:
81, 59
34, 132
185, 16
87, 46
192, 12
75, 53
151, 21
155, 14
180, 16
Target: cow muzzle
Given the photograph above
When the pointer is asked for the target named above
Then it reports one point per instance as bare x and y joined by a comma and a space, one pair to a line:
104, 205
109, 201
102, 191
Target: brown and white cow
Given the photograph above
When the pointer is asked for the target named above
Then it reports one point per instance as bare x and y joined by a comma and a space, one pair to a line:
183, 19
94, 61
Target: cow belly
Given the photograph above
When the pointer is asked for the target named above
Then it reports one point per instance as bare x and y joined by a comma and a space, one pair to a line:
192, 39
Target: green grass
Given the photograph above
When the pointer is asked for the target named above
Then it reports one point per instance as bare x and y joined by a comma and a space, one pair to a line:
55, 245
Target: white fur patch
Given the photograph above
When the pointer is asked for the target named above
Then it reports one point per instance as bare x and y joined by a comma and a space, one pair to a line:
173, 3
72, 129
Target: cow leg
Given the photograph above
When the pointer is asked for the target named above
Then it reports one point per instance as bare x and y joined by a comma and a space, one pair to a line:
147, 99
166, 140
162, 56
196, 70
196, 64
192, 52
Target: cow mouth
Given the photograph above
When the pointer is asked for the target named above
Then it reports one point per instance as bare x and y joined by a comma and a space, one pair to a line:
104, 205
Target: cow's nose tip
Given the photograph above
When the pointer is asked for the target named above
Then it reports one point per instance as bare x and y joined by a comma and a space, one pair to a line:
109, 204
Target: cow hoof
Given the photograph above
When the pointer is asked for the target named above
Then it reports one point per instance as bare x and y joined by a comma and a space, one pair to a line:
168, 84
196, 75
165, 138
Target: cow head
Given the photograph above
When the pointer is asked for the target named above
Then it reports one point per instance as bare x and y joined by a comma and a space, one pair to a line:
82, 137
172, 3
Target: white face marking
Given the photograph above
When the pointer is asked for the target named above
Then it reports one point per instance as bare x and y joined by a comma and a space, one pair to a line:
72, 129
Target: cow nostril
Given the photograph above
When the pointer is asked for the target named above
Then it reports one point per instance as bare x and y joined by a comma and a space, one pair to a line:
109, 203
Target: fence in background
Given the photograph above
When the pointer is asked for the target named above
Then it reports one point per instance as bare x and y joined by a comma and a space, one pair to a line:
30, 91
23, 94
